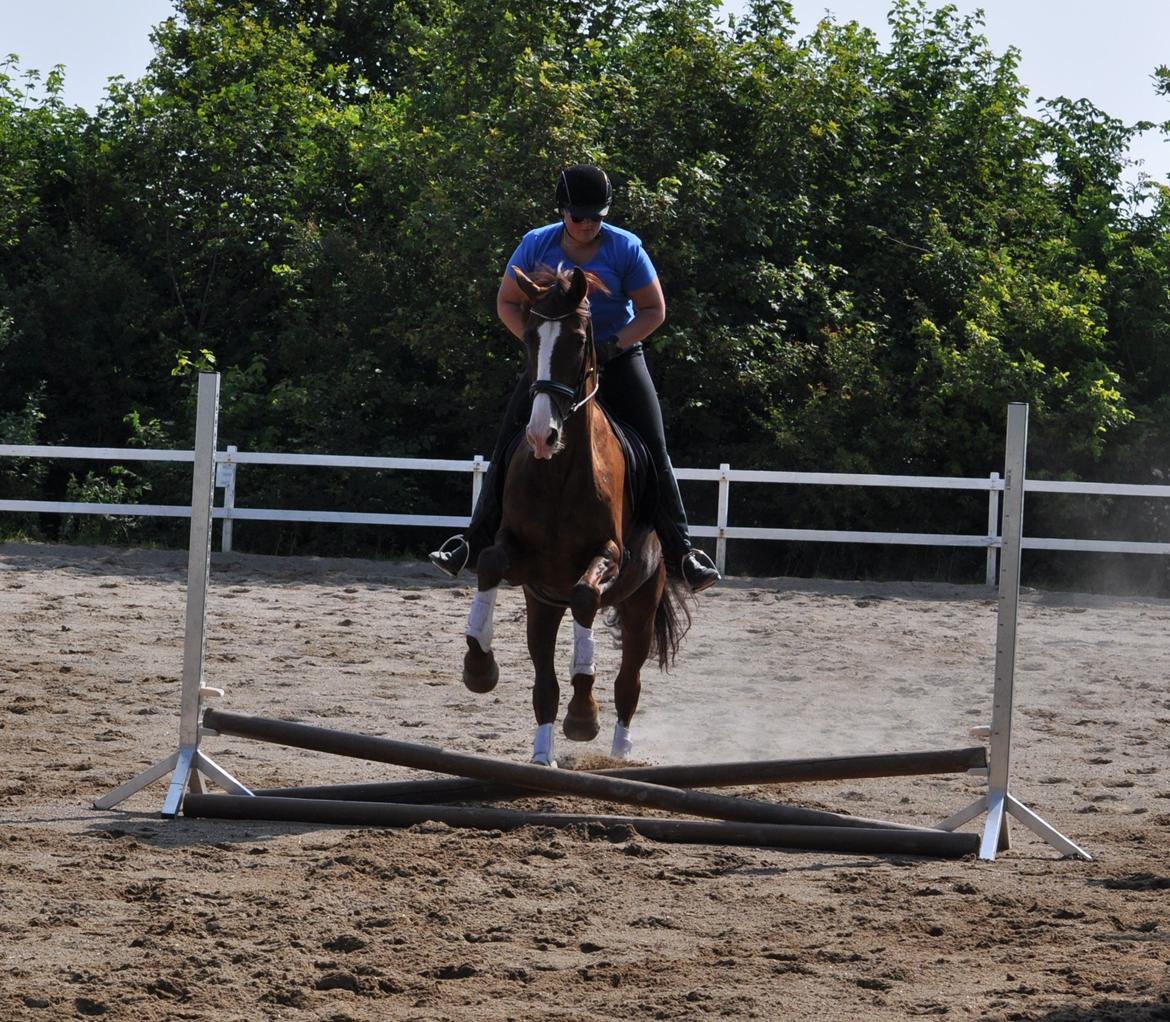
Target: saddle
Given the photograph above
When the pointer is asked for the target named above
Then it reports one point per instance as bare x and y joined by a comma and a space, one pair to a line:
641, 476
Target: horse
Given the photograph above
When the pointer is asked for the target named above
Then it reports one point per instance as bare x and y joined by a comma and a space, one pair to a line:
569, 534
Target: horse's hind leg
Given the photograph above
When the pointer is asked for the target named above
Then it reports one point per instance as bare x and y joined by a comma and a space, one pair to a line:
480, 671
637, 618
581, 719
543, 622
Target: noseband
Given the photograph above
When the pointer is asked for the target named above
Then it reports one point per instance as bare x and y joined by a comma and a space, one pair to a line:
562, 393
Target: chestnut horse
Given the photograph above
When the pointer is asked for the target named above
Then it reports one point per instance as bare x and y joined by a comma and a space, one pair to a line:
568, 533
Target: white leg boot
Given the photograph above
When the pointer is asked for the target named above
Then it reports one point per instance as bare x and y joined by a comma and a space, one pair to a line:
481, 618
542, 746
622, 746
583, 651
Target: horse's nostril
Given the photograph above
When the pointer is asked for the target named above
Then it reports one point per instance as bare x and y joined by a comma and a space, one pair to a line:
551, 440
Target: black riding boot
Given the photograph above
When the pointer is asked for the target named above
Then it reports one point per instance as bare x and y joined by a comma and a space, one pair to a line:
462, 551
628, 393
683, 561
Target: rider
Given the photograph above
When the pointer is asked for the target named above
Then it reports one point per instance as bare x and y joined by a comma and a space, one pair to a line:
632, 311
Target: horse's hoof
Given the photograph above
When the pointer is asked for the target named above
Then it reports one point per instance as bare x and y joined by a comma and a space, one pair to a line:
481, 683
543, 761
480, 671
581, 729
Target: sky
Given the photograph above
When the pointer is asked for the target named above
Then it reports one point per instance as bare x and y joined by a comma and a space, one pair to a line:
1102, 51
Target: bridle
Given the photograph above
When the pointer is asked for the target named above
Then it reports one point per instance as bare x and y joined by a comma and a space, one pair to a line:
562, 392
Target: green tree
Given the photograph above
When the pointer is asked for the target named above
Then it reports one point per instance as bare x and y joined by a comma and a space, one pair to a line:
866, 250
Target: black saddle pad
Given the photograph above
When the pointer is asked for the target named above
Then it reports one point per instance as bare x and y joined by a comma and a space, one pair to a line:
641, 476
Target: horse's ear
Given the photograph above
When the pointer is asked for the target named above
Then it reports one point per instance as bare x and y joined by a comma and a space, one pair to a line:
578, 287
533, 290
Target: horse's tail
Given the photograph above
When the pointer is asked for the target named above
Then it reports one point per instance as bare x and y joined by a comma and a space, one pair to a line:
672, 620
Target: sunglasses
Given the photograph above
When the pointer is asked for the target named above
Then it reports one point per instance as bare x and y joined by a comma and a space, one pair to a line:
583, 219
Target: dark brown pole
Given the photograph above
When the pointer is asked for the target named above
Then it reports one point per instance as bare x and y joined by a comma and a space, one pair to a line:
429, 791
867, 841
795, 771
710, 775
567, 782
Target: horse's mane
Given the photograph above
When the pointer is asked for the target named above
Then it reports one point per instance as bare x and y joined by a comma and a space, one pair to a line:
562, 277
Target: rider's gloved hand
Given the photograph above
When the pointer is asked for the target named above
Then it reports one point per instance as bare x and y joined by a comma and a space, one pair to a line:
607, 349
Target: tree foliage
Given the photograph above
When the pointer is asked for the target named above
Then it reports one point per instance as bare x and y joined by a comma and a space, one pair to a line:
866, 251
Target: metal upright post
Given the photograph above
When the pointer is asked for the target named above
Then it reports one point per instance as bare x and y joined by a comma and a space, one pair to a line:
188, 762
999, 803
995, 832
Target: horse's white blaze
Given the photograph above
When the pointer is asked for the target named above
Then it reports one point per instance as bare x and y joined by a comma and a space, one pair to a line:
481, 618
582, 650
542, 746
548, 334
544, 417
621, 741
540, 424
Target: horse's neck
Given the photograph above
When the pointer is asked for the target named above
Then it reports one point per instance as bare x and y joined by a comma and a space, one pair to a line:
585, 431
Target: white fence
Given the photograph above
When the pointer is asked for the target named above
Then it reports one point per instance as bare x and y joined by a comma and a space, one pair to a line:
229, 461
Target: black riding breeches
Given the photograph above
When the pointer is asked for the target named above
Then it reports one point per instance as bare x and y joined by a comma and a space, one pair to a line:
628, 394
489, 509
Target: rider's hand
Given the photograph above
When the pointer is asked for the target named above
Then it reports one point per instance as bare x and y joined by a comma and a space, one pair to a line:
607, 349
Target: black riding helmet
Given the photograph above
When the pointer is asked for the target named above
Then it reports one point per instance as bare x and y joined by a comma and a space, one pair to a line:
584, 190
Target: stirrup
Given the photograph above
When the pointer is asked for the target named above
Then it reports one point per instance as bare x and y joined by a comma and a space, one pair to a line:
451, 557
699, 571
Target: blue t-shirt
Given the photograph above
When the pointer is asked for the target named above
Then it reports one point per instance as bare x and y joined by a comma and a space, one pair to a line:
620, 262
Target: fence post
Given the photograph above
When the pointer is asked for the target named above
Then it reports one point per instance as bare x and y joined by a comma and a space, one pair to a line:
225, 476
721, 518
477, 471
992, 530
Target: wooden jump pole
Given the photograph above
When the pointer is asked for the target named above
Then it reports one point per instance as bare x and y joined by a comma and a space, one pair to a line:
611, 789
712, 775
862, 840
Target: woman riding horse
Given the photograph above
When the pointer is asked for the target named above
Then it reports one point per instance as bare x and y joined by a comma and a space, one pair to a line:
573, 532
632, 310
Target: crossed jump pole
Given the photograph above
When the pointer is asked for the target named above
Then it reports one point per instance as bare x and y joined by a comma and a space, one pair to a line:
731, 820
741, 820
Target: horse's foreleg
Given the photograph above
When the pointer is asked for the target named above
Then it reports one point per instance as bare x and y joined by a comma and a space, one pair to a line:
480, 671
543, 621
637, 616
581, 719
